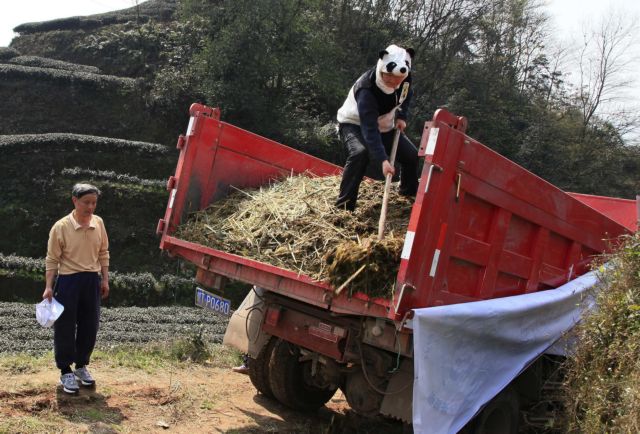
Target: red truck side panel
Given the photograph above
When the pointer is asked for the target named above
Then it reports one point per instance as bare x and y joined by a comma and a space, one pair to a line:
481, 226
485, 227
623, 211
215, 156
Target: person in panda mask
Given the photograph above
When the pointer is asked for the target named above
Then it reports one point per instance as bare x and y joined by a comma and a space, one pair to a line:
377, 103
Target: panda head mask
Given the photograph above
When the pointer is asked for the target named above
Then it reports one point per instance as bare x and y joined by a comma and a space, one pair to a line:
395, 61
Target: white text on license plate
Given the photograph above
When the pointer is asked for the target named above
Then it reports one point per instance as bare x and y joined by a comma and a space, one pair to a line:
212, 302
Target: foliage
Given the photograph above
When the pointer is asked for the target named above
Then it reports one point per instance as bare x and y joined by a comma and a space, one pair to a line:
112, 176
28, 265
9, 72
140, 45
65, 142
194, 348
127, 289
7, 53
282, 69
131, 203
278, 68
119, 327
42, 62
143, 289
603, 379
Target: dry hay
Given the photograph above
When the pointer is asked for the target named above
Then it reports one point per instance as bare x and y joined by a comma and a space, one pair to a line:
293, 224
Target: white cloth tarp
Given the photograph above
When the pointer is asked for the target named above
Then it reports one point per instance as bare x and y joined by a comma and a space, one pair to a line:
465, 354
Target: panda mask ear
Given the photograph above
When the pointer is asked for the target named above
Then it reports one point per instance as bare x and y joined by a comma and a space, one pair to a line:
382, 53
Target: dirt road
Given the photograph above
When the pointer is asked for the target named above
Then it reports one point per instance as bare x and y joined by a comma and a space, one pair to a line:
183, 399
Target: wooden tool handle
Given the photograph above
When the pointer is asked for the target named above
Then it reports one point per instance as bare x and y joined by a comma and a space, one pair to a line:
387, 187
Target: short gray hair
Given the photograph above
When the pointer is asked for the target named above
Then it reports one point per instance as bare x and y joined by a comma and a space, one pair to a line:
82, 189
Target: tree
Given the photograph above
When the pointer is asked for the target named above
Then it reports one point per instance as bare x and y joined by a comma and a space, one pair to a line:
604, 63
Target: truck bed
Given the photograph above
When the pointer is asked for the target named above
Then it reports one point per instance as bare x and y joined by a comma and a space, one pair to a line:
481, 226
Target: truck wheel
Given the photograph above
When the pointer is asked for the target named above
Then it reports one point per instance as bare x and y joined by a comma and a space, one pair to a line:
290, 379
500, 416
259, 369
362, 398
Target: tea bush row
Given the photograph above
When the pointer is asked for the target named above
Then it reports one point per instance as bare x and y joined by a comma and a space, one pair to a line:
127, 289
19, 331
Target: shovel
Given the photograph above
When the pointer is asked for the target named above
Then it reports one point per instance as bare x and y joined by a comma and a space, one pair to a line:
387, 187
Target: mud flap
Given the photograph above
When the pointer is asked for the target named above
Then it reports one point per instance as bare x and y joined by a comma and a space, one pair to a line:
397, 402
244, 330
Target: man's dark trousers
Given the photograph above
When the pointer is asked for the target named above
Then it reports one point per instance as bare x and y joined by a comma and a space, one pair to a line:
74, 333
358, 159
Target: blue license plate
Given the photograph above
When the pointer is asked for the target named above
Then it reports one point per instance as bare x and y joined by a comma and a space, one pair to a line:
212, 302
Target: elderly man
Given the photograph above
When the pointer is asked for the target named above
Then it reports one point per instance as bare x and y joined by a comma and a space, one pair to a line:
78, 261
376, 104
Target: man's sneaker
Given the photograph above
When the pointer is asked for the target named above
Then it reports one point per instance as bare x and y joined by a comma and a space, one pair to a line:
242, 369
84, 377
69, 383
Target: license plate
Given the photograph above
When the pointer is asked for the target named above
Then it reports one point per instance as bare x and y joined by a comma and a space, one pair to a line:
212, 302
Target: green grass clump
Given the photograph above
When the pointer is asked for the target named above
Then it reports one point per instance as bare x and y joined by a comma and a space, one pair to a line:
150, 357
27, 424
603, 377
21, 363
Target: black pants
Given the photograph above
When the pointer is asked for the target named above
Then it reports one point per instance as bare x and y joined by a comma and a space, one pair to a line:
74, 333
358, 159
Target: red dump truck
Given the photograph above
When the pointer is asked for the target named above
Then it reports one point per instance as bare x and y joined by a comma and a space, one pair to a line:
481, 227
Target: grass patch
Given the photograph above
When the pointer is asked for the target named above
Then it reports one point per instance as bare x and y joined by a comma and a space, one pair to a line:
150, 357
147, 357
95, 414
603, 378
27, 424
23, 363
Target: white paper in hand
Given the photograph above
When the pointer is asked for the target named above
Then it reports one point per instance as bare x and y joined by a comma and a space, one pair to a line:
47, 312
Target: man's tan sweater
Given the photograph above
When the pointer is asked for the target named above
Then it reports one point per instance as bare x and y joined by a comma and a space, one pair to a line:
73, 249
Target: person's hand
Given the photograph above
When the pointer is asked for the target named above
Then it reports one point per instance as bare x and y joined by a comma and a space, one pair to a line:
387, 168
104, 289
401, 124
47, 294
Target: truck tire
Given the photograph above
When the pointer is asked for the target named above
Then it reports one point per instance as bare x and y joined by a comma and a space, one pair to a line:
287, 378
500, 416
259, 369
361, 397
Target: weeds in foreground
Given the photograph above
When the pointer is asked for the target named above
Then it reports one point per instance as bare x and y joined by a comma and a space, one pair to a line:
603, 378
28, 424
149, 357
146, 357
23, 363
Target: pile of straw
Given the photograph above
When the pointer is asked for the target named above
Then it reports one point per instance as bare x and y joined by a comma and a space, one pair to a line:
293, 224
